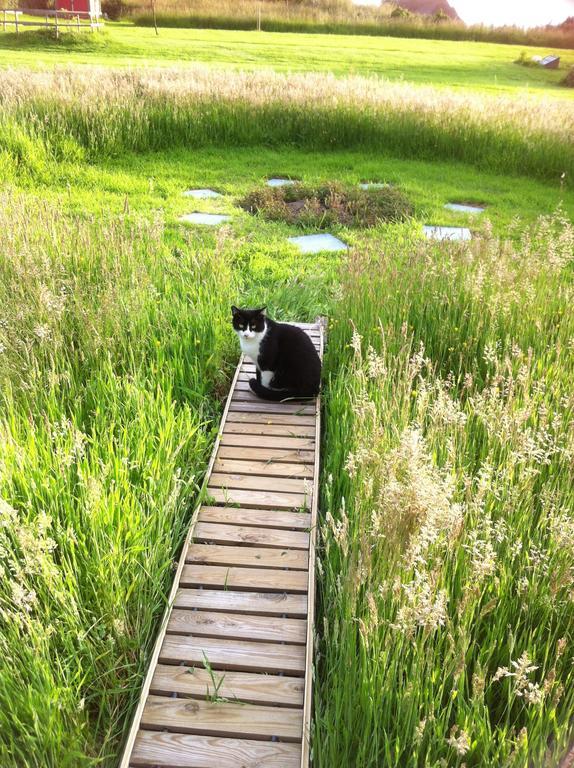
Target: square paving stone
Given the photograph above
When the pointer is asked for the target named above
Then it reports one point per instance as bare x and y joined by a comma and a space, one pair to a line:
318, 243
280, 182
464, 208
374, 185
201, 194
211, 219
447, 233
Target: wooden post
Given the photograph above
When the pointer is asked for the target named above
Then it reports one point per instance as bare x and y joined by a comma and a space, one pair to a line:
78, 21
154, 17
57, 30
4, 20
16, 17
259, 17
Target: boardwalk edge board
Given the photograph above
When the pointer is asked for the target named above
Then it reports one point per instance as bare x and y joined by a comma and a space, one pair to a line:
229, 681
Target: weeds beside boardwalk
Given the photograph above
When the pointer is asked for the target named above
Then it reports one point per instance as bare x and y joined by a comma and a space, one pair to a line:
447, 568
54, 114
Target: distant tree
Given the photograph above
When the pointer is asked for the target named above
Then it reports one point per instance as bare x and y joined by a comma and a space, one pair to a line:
400, 13
440, 16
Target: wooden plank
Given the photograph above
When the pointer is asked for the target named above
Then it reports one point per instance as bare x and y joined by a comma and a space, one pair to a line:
216, 533
270, 418
236, 626
251, 687
255, 603
266, 454
291, 430
254, 579
264, 406
260, 483
260, 518
259, 498
179, 750
266, 468
248, 557
249, 721
286, 443
237, 655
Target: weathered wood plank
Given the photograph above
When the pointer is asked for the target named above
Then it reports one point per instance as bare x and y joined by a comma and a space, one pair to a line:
260, 483
259, 498
264, 406
291, 430
266, 454
251, 687
255, 603
179, 750
236, 626
268, 468
218, 533
270, 418
260, 518
286, 443
248, 557
250, 721
254, 579
238, 655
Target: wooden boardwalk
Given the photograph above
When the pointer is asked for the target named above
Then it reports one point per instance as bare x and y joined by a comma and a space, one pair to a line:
229, 683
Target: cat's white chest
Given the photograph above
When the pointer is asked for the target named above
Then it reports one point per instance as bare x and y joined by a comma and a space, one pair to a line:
251, 346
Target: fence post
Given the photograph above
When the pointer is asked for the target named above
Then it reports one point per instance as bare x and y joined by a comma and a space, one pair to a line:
17, 27
78, 21
259, 17
4, 20
57, 30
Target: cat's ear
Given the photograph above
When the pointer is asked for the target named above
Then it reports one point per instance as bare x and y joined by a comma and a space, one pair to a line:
235, 310
261, 311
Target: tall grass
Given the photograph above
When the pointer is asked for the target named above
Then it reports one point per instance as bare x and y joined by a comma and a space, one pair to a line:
56, 114
447, 565
337, 18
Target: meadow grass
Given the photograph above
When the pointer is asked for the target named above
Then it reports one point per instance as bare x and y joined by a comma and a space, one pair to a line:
54, 115
464, 66
447, 541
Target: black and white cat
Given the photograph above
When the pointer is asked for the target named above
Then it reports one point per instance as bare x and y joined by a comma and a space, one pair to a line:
286, 361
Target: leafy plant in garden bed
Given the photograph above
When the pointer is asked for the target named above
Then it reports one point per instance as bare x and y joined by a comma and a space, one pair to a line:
327, 205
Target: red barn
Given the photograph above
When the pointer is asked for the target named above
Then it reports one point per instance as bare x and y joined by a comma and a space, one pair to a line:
91, 7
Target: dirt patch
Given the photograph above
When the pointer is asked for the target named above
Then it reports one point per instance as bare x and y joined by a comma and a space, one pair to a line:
327, 205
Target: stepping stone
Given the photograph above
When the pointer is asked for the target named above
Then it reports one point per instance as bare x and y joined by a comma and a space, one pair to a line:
464, 208
280, 182
447, 233
374, 185
202, 194
318, 243
211, 219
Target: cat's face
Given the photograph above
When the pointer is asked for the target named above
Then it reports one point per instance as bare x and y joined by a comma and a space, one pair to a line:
248, 323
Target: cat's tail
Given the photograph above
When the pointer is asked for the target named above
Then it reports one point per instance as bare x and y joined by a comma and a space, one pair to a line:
274, 394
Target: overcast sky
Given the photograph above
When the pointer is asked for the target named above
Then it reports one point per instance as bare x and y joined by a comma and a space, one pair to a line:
525, 13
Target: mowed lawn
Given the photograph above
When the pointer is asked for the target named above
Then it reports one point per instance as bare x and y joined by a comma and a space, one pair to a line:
461, 65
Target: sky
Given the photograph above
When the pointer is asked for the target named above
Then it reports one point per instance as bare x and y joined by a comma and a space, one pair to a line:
524, 13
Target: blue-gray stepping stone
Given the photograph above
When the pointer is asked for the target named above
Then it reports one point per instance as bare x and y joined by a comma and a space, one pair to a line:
464, 208
447, 233
280, 182
318, 243
202, 194
374, 185
211, 219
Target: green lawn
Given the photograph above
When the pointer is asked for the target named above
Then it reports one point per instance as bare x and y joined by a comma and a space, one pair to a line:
152, 183
461, 65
